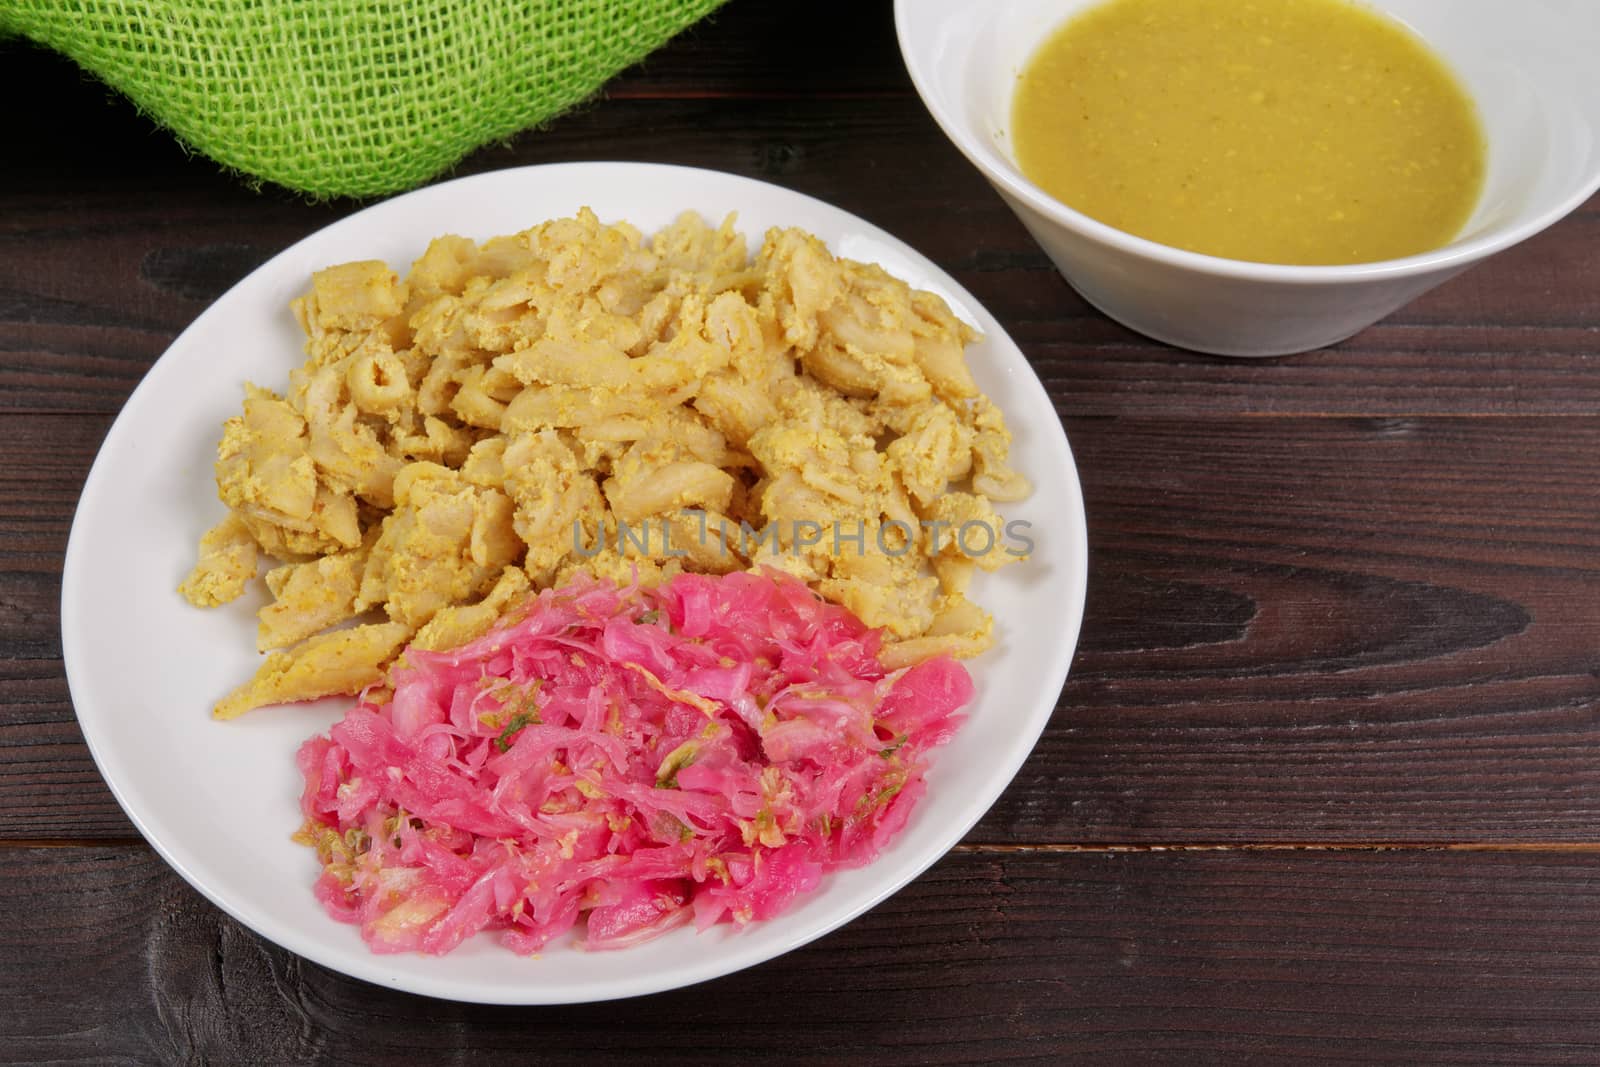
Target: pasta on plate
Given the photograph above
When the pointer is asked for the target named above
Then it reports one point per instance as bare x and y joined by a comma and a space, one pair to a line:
578, 399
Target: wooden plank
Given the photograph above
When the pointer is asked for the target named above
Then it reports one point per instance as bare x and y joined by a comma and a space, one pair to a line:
834, 48
1364, 630
93, 288
1297, 630
48, 782
1203, 957
49, 786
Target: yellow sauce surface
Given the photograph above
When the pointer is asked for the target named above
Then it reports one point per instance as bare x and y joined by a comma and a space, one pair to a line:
1282, 131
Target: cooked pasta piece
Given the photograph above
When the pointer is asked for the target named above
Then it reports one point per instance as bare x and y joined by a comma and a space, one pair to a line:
340, 661
227, 563
577, 398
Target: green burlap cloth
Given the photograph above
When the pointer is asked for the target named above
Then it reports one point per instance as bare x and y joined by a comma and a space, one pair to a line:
349, 97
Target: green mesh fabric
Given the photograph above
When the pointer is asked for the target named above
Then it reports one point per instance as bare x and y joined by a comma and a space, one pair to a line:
349, 97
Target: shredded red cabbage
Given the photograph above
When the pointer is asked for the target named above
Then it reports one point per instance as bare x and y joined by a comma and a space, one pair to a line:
703, 751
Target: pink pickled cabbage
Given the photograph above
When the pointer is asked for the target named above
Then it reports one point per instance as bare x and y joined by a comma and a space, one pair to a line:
637, 758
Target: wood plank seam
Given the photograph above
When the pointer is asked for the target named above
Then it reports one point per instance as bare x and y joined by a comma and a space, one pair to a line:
1062, 848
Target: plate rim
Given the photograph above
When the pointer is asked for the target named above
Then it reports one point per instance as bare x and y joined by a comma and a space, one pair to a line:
370, 967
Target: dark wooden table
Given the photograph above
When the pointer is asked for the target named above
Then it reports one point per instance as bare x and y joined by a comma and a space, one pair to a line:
1324, 784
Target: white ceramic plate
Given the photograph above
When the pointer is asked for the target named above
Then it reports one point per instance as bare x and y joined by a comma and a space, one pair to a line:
219, 800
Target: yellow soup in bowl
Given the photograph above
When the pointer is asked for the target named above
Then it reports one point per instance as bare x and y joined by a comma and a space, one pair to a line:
1280, 131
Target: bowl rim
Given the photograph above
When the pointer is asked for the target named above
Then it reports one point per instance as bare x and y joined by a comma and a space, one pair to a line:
1450, 257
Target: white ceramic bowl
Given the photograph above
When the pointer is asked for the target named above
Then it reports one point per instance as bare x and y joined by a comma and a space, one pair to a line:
1533, 66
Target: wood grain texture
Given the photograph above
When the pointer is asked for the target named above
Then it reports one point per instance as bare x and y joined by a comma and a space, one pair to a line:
841, 49
1395, 617
94, 283
1343, 599
1184, 957
1297, 630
